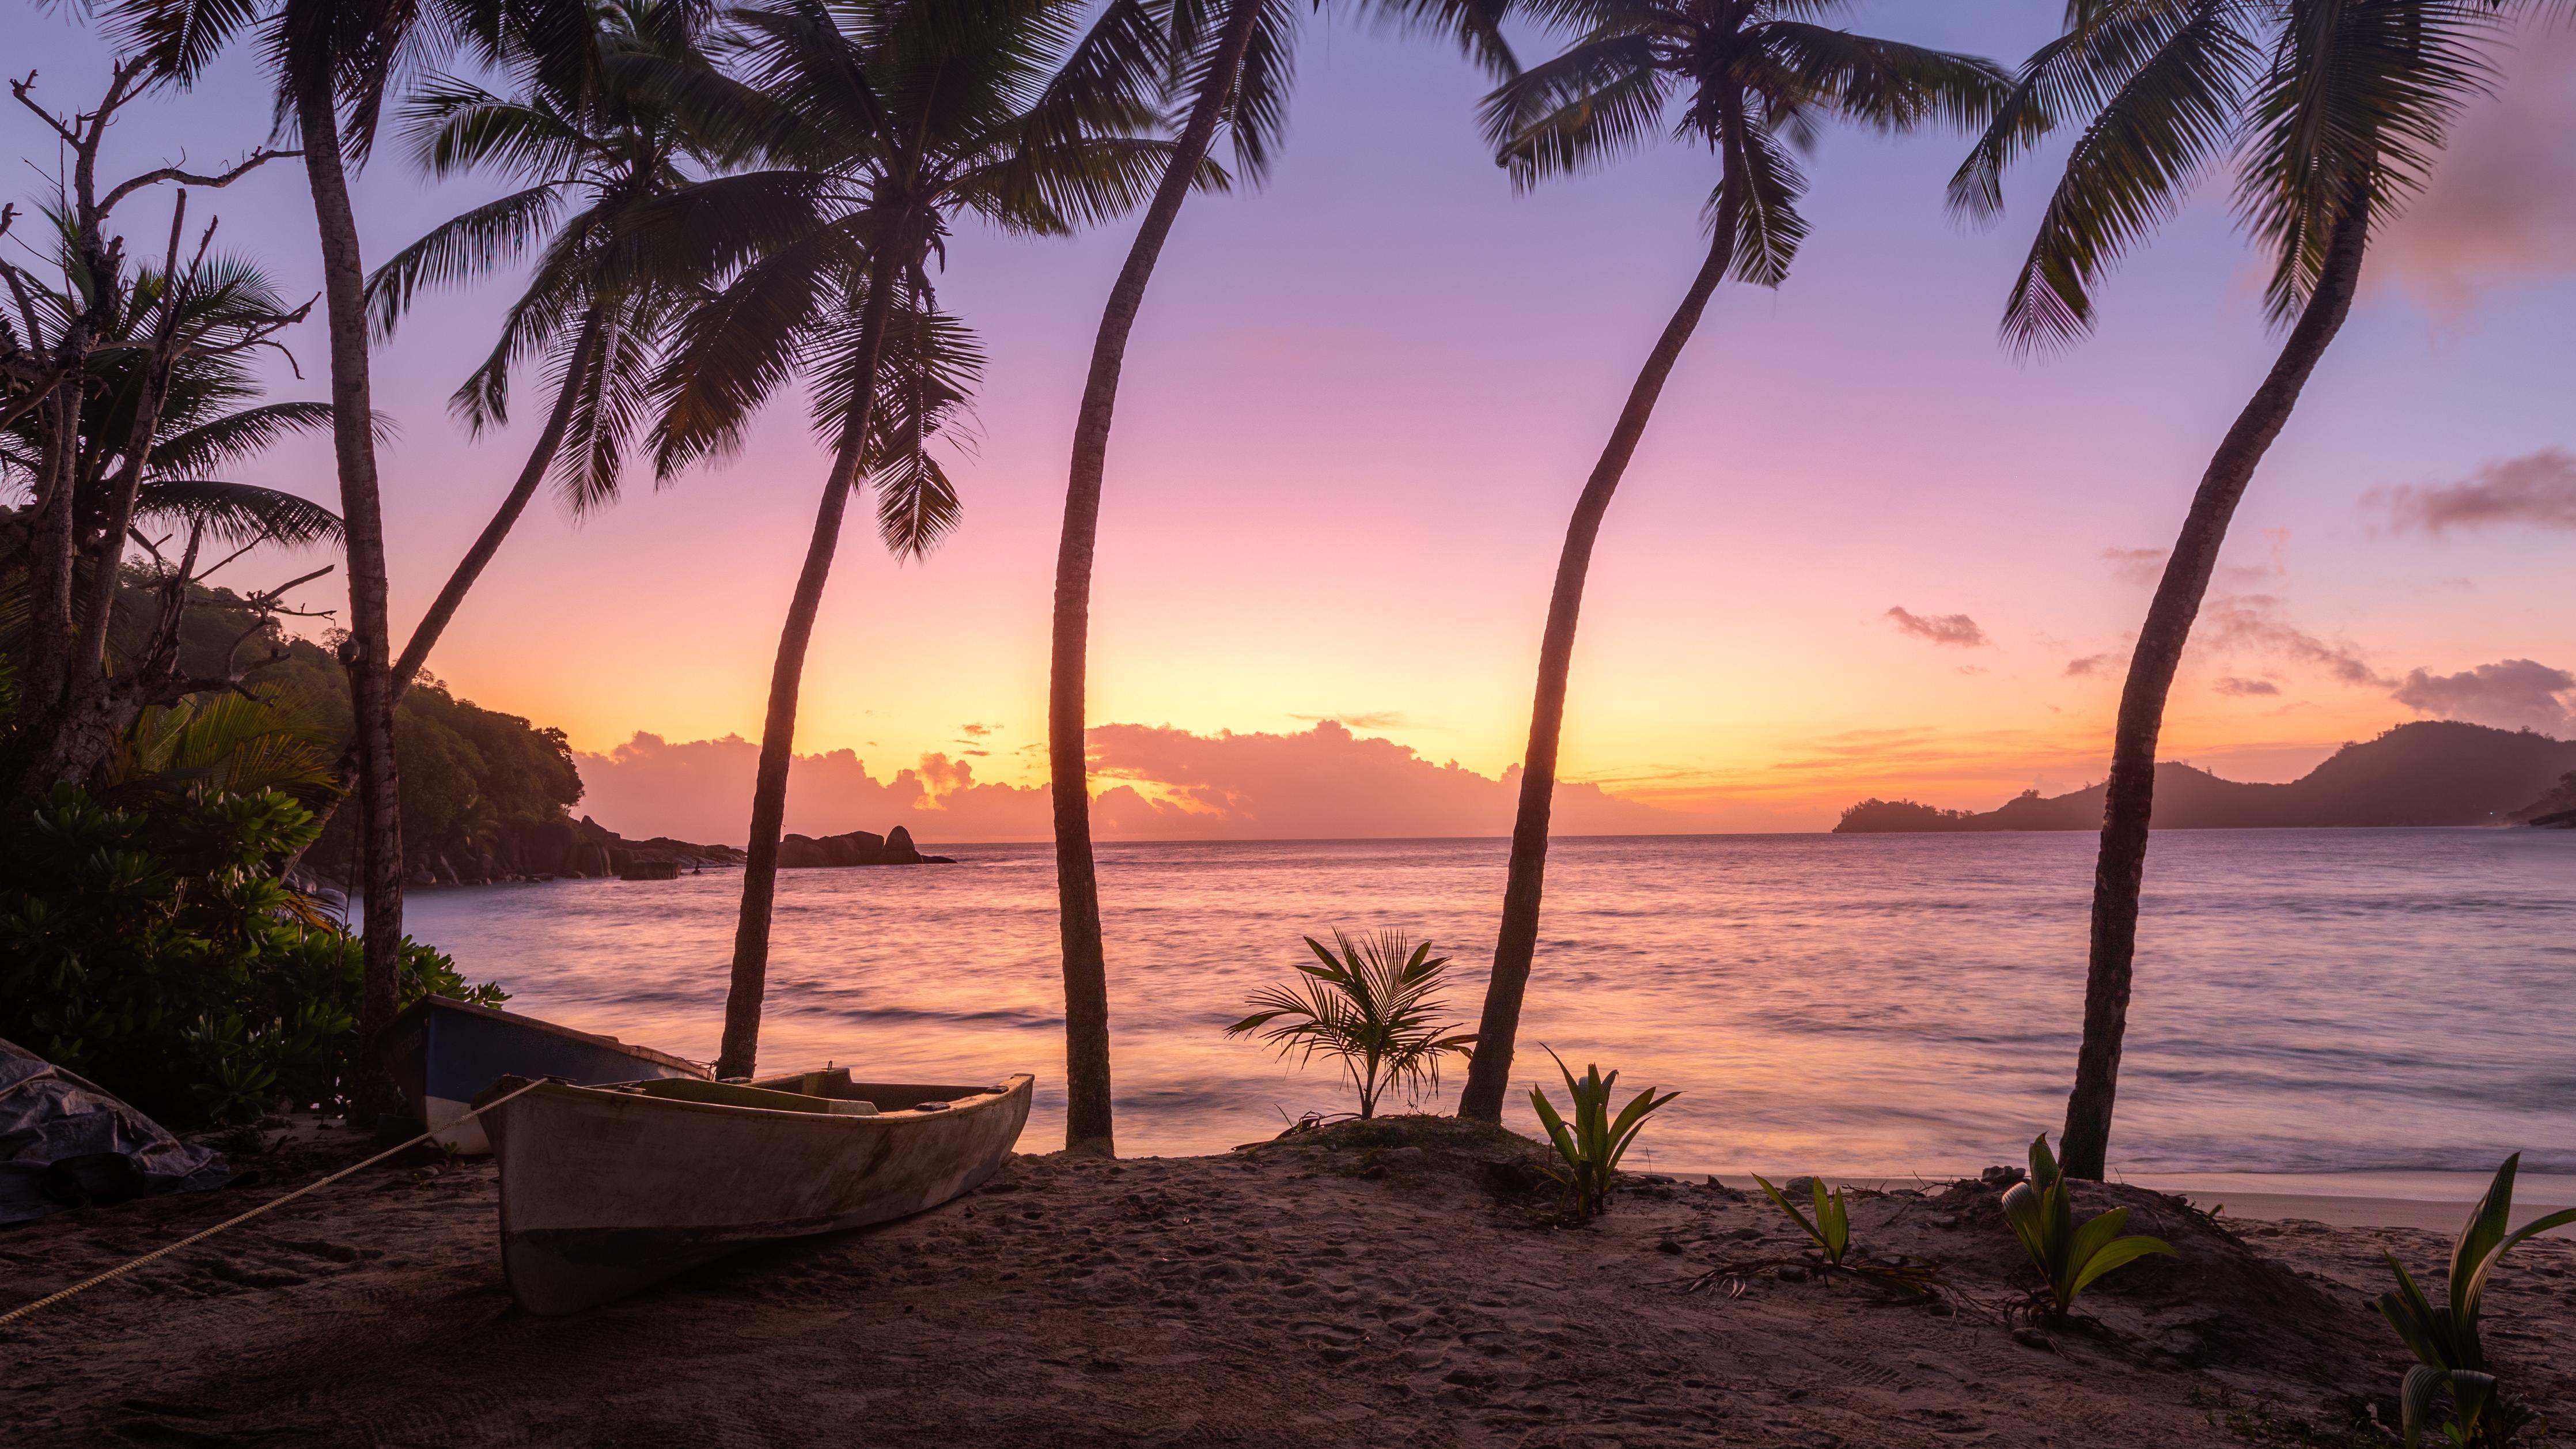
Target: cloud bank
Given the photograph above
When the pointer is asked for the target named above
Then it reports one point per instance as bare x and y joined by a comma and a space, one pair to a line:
2537, 490
1149, 783
2509, 694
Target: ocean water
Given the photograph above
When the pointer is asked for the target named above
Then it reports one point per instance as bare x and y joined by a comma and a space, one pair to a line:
2356, 1002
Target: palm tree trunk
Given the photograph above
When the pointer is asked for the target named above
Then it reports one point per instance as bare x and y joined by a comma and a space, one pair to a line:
368, 654
1489, 1072
1088, 1126
424, 635
778, 733
2129, 800
469, 569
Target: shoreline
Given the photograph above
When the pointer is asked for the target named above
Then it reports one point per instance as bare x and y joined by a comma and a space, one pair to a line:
1403, 1283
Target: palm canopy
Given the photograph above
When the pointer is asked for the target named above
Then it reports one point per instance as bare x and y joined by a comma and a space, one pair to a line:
590, 162
360, 48
208, 419
2324, 109
875, 125
1750, 79
1188, 33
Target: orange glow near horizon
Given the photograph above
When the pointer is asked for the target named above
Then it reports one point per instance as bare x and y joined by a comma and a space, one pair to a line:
1360, 403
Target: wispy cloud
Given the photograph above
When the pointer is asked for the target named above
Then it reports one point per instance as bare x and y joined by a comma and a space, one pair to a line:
2501, 208
2508, 694
2090, 665
2254, 623
2139, 566
1379, 719
2232, 685
1954, 629
2537, 490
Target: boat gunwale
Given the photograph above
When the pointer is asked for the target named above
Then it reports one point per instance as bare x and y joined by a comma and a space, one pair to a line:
432, 1003
982, 1100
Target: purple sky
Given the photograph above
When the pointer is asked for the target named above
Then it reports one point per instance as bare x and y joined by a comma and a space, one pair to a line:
1359, 406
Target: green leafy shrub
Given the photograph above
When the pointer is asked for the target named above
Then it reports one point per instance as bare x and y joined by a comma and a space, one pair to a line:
1373, 1006
1589, 1147
2448, 1355
151, 947
1831, 1227
2069, 1257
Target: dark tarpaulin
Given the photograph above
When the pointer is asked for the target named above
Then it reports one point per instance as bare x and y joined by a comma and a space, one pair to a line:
65, 1143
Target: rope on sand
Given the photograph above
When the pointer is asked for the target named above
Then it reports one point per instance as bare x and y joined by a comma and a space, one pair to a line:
123, 1268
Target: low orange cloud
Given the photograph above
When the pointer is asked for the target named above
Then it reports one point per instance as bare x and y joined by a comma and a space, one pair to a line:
1161, 784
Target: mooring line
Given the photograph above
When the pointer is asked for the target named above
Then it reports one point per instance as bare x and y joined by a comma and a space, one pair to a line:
123, 1268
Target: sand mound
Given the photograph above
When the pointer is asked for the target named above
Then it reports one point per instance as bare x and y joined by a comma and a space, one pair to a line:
1366, 1285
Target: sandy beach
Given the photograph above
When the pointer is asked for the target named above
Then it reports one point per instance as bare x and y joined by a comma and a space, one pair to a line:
1376, 1284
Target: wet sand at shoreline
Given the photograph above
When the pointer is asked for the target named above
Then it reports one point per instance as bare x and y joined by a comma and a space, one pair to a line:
1389, 1284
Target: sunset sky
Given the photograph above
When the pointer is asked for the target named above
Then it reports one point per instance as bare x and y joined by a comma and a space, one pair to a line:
1864, 550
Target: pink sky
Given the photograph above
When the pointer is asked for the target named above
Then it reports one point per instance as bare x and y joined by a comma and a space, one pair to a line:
1862, 550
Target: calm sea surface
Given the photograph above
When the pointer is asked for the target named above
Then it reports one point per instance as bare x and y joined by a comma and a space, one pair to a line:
2375, 1001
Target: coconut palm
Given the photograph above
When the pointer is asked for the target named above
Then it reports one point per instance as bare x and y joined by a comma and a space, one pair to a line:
602, 156
881, 122
164, 404
2329, 114
333, 61
1753, 81
1230, 62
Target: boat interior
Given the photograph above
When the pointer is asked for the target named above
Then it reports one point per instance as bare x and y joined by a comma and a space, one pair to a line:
827, 1091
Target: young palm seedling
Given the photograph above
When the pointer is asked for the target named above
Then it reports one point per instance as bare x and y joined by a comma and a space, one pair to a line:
1372, 1006
1831, 1227
2069, 1256
1830, 1230
1589, 1147
2448, 1356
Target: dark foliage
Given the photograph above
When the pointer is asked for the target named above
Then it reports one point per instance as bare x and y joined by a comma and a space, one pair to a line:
152, 947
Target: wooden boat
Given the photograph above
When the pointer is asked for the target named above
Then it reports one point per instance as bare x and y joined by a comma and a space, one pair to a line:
605, 1190
445, 1052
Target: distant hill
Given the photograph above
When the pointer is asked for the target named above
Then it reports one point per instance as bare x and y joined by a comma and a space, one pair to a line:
2432, 772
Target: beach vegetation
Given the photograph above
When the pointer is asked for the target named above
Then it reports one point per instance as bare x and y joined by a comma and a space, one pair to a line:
2331, 116
147, 942
1754, 81
1829, 1229
2070, 1256
1373, 1005
2450, 1357
1589, 1141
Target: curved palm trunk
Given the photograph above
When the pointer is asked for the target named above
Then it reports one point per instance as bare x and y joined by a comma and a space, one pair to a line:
541, 457
1087, 1124
2129, 802
787, 676
368, 653
1489, 1072
442, 610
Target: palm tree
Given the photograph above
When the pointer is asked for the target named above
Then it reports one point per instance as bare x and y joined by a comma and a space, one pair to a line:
164, 401
333, 61
1752, 80
609, 154
883, 121
599, 330
1231, 60
2329, 112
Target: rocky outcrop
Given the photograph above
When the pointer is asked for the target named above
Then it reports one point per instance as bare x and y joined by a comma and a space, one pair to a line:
858, 847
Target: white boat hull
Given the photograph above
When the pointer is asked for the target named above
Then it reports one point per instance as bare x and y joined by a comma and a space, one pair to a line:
607, 1190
